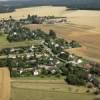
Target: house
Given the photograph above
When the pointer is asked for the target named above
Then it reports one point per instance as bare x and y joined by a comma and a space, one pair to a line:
53, 20
71, 56
14, 33
88, 66
75, 62
36, 73
56, 45
21, 70
12, 56
58, 62
79, 61
47, 67
53, 71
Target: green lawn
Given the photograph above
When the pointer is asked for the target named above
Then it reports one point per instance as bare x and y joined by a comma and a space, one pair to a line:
3, 39
5, 44
40, 78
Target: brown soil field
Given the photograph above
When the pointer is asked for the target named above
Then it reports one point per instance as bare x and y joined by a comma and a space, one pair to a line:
4, 84
88, 36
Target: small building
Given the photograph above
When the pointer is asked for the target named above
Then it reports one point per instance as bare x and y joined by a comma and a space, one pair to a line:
88, 66
36, 73
79, 61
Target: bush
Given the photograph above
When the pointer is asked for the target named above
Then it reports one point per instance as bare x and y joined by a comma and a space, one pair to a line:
75, 80
15, 74
26, 74
88, 91
42, 76
58, 75
74, 44
97, 92
89, 85
52, 34
97, 98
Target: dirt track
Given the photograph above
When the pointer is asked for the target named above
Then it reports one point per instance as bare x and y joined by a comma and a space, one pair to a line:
4, 84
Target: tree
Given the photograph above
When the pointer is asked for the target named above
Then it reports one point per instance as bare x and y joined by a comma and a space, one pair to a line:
60, 41
52, 34
74, 44
29, 17
44, 71
10, 17
74, 79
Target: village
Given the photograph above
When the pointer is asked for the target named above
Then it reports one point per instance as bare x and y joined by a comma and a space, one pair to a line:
46, 55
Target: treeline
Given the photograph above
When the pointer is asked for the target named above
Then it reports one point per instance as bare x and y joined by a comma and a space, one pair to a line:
6, 9
74, 4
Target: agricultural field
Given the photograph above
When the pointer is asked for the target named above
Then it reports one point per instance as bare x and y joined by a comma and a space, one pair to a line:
39, 10
47, 89
80, 17
4, 84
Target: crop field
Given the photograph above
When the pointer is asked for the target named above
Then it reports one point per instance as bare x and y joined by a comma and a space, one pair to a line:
39, 10
4, 84
47, 90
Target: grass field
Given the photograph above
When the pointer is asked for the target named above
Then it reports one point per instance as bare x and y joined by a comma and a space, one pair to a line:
5, 44
47, 90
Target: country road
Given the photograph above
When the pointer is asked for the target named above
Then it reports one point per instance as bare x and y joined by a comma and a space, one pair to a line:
4, 84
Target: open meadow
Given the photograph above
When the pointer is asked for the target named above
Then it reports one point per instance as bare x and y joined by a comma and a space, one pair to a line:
5, 44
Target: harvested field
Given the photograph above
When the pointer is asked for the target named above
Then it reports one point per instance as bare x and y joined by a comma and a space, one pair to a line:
4, 84
80, 17
89, 37
48, 90
39, 10
87, 53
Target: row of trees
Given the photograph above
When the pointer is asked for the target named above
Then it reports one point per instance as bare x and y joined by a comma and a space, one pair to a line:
74, 74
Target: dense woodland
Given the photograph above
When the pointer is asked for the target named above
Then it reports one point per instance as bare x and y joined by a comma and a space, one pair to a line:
6, 9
